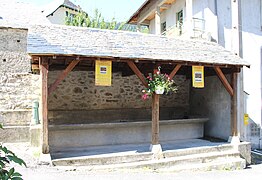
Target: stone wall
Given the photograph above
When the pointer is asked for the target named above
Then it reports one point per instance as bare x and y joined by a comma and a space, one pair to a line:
13, 56
79, 93
17, 92
213, 102
18, 88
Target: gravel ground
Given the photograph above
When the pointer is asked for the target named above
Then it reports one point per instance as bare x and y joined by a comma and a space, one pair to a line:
35, 171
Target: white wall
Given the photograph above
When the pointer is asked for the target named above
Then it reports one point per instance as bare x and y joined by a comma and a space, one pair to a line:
224, 23
205, 9
252, 52
168, 15
59, 15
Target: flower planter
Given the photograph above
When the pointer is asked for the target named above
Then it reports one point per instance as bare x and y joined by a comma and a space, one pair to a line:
159, 90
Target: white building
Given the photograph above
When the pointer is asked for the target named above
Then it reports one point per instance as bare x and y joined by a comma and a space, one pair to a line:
218, 21
58, 10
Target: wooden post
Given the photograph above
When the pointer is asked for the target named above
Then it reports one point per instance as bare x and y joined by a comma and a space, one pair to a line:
138, 27
157, 21
155, 116
155, 119
44, 76
234, 130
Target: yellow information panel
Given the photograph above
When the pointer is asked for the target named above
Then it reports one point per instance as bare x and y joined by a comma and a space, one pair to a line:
246, 119
103, 74
198, 76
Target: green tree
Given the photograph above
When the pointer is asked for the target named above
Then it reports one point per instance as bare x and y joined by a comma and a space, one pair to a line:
82, 19
6, 157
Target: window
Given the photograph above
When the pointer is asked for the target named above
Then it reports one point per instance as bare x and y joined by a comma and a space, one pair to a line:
179, 21
163, 27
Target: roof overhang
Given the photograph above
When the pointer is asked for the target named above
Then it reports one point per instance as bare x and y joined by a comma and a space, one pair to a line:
80, 42
146, 11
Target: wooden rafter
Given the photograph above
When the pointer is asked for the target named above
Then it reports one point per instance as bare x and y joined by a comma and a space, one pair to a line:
62, 76
137, 72
173, 73
224, 81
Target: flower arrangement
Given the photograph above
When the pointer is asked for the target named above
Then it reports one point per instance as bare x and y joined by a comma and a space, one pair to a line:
158, 83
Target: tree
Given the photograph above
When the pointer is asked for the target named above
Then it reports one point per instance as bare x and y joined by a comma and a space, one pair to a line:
82, 19
6, 157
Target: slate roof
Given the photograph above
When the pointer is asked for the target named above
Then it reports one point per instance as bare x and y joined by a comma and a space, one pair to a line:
20, 15
66, 40
56, 4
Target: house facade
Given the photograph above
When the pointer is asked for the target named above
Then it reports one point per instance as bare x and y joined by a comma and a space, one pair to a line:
59, 10
236, 25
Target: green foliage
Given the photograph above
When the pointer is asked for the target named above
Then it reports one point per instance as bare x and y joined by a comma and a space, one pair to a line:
6, 157
82, 19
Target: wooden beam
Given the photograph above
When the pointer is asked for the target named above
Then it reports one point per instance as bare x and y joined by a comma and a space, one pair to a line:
35, 66
62, 76
155, 119
44, 76
234, 106
173, 73
224, 81
137, 72
165, 6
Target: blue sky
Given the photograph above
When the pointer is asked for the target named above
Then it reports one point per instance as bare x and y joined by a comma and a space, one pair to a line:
120, 9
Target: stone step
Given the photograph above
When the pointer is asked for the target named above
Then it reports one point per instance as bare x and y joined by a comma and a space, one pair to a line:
213, 160
197, 150
132, 156
104, 159
226, 164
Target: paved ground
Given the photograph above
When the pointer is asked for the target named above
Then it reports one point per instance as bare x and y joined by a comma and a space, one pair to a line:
45, 172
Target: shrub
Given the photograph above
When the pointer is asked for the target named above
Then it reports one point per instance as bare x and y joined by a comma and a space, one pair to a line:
6, 157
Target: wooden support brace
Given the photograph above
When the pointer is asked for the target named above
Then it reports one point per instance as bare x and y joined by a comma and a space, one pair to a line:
175, 70
137, 72
62, 76
44, 76
224, 81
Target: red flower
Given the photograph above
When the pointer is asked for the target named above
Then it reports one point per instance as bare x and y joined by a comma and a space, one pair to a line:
145, 96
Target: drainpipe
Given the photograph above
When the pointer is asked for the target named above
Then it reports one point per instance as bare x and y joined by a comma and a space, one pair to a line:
215, 7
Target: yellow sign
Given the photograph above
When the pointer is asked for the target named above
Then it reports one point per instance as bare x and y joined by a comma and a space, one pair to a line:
198, 76
103, 74
246, 119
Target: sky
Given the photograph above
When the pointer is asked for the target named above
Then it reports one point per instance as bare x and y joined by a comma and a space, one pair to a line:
120, 9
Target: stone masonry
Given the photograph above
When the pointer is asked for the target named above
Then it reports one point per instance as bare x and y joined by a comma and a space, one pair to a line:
78, 92
18, 87
78, 100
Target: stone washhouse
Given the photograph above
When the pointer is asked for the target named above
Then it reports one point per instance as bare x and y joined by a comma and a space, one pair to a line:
76, 113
